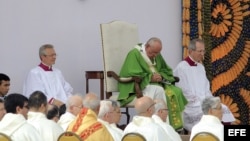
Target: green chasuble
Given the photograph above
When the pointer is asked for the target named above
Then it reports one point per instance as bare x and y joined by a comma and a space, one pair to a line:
135, 65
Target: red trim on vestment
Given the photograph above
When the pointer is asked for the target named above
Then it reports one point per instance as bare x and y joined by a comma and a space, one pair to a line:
90, 130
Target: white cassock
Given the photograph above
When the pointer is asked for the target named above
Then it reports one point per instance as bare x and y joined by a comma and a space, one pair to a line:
17, 128
65, 120
195, 87
48, 129
115, 132
51, 83
146, 127
171, 133
211, 124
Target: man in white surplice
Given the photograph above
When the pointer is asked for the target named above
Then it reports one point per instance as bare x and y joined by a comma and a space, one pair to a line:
73, 107
160, 116
195, 85
107, 114
48, 80
143, 122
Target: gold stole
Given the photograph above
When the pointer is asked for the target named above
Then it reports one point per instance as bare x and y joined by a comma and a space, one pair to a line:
88, 131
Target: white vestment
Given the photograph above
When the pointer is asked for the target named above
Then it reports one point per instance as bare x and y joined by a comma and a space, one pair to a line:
48, 129
171, 133
51, 83
17, 128
211, 124
195, 87
115, 132
146, 127
154, 92
65, 120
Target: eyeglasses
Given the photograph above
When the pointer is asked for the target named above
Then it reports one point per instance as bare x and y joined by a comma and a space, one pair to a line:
218, 108
165, 110
118, 112
52, 55
200, 51
2, 98
77, 106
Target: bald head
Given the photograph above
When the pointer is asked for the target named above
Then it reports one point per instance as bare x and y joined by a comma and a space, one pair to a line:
144, 106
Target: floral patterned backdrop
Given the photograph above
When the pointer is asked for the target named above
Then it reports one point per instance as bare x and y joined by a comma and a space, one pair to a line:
224, 25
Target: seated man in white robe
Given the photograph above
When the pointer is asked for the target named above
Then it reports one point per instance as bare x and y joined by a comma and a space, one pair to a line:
73, 107
14, 123
160, 117
143, 123
107, 115
48, 79
211, 120
48, 129
195, 85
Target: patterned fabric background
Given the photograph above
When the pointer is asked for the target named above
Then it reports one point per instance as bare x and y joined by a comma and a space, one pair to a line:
224, 25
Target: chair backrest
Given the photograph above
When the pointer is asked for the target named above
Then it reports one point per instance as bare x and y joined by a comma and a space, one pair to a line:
69, 136
185, 137
118, 38
4, 137
205, 136
133, 137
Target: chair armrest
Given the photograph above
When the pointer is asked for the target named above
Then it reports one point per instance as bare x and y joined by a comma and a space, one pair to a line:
177, 79
135, 79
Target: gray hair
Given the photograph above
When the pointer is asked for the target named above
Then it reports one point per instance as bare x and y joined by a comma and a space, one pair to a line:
105, 106
152, 40
91, 102
192, 45
43, 48
159, 104
72, 99
210, 103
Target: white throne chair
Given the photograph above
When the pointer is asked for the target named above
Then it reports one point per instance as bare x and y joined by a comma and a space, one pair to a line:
118, 38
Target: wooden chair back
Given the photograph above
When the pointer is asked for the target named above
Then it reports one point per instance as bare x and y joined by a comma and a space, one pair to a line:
133, 137
69, 136
205, 136
4, 137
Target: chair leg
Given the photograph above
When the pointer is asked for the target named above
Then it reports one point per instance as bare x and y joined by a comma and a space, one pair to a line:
127, 114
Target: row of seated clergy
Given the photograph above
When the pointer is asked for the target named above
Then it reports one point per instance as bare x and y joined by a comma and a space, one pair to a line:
98, 119
152, 127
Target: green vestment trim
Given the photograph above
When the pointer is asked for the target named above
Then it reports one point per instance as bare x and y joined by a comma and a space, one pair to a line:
176, 104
